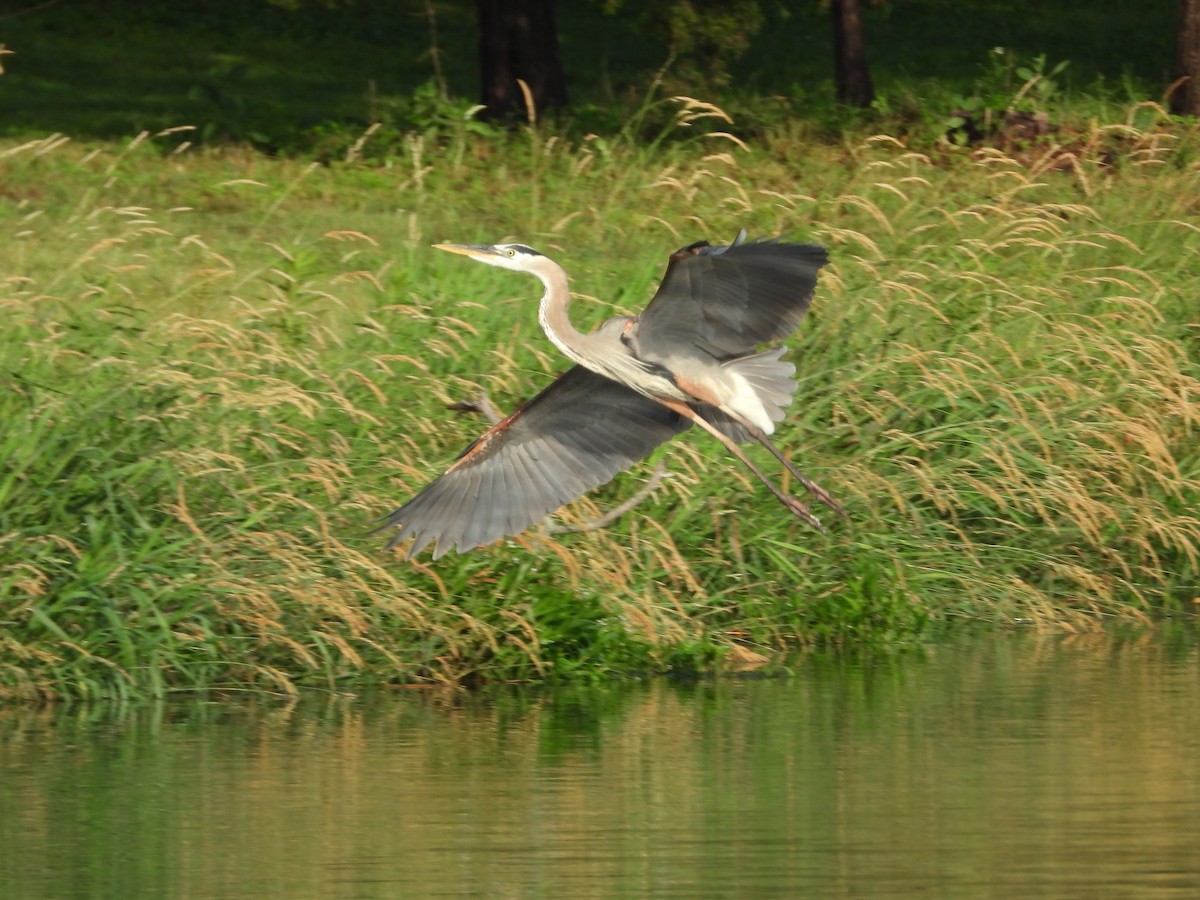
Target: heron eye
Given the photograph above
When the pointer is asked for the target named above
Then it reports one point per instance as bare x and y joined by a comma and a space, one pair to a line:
511, 252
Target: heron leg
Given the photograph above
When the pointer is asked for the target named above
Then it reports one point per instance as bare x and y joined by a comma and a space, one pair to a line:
792, 504
822, 495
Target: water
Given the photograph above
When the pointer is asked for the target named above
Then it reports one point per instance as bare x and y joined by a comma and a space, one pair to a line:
1006, 767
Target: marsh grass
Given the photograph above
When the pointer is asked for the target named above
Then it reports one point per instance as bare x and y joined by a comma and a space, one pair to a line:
220, 369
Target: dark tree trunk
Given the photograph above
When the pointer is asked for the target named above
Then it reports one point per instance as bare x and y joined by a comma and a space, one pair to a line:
519, 41
851, 72
1185, 98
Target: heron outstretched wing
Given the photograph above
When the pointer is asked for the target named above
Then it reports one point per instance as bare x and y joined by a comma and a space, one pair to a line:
728, 300
575, 435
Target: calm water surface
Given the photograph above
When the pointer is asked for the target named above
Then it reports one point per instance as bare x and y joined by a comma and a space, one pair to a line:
1001, 767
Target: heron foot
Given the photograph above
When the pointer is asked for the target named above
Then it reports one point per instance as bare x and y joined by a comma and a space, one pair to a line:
823, 496
800, 509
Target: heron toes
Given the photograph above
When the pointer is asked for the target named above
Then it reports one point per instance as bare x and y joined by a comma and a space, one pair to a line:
823, 496
798, 508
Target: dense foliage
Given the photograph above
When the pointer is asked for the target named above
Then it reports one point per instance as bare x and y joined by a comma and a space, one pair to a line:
219, 367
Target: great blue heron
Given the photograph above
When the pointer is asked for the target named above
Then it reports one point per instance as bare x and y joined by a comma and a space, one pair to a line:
691, 357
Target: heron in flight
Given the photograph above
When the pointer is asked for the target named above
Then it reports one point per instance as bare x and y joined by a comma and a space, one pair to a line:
692, 357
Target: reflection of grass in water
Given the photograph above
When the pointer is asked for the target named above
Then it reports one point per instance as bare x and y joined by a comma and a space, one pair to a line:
758, 770
225, 367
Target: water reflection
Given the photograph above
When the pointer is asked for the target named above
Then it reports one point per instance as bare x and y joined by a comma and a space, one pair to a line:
1003, 766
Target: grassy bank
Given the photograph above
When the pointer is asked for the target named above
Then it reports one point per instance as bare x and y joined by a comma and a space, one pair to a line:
220, 368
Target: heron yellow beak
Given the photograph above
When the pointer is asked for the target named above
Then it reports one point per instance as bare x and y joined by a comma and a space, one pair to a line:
475, 250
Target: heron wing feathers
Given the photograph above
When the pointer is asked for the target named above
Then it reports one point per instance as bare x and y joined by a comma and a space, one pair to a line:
726, 301
574, 436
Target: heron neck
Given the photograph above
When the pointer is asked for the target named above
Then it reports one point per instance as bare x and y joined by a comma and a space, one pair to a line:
552, 315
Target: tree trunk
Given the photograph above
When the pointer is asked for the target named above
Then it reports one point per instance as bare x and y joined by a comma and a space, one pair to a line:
1185, 98
519, 41
851, 71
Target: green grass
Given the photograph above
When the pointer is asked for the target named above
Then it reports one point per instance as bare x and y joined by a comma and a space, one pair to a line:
223, 368
218, 367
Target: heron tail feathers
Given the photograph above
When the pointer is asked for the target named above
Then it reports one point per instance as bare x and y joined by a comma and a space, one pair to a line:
770, 377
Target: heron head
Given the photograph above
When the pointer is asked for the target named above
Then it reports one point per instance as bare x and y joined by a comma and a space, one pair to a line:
506, 256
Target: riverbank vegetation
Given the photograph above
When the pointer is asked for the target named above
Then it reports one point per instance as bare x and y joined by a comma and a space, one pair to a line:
220, 366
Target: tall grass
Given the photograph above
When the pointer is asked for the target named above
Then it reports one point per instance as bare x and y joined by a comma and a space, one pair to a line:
219, 369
